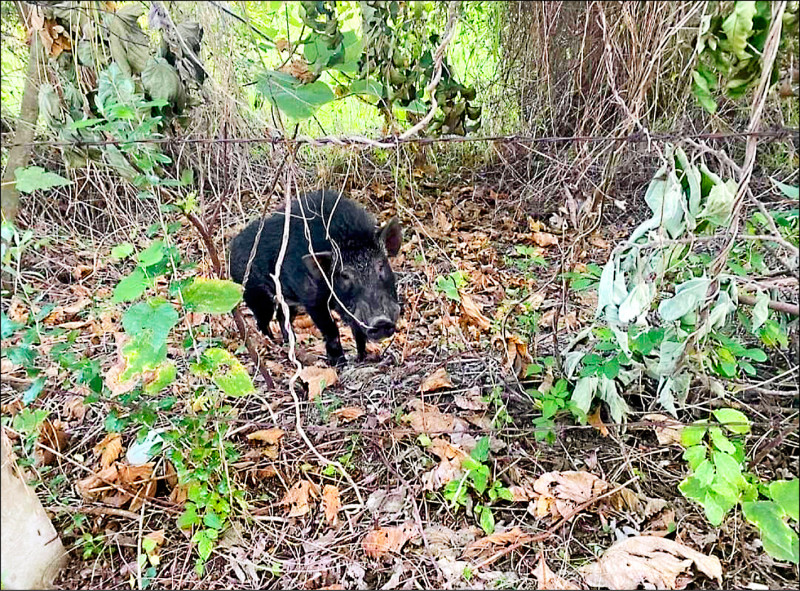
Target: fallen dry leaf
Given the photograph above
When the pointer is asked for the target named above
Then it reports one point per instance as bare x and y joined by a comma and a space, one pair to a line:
86, 486
668, 431
348, 413
493, 542
516, 353
318, 378
595, 421
547, 579
471, 400
473, 314
299, 496
544, 239
599, 242
651, 561
268, 436
427, 418
157, 536
449, 468
561, 492
387, 539
74, 409
53, 435
113, 375
331, 504
109, 449
436, 381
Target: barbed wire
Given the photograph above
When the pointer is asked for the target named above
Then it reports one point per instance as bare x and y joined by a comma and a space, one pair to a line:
395, 141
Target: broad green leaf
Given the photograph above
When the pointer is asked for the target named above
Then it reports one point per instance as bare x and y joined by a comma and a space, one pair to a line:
756, 355
213, 296
212, 520
607, 391
738, 27
32, 178
155, 316
719, 204
189, 517
152, 254
367, 87
165, 375
122, 251
729, 469
734, 420
297, 100
130, 287
142, 354
665, 198
786, 493
481, 451
688, 297
695, 455
584, 392
162, 82
760, 311
33, 390
705, 473
788, 190
205, 543
702, 93
227, 372
719, 440
127, 42
780, 540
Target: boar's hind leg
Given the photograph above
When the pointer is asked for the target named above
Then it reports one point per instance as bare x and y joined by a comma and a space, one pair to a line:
361, 343
333, 347
260, 302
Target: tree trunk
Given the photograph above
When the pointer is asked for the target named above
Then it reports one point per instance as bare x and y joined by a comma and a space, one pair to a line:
20, 155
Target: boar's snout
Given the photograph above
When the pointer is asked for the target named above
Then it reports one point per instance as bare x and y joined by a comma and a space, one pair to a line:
381, 327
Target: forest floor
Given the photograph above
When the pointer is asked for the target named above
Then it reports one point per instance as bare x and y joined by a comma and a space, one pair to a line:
451, 390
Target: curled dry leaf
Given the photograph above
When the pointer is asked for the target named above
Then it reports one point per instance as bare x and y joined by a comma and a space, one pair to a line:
53, 435
547, 579
109, 449
299, 496
449, 468
544, 239
318, 378
668, 430
268, 436
382, 541
87, 486
471, 400
498, 540
436, 381
516, 353
561, 492
331, 504
349, 413
651, 561
473, 314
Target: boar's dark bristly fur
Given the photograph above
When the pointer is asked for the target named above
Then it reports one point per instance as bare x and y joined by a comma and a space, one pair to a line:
350, 253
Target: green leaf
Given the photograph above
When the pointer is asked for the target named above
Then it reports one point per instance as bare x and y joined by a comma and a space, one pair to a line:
695, 455
165, 375
33, 390
705, 473
702, 93
212, 520
367, 87
122, 251
688, 296
152, 254
213, 296
729, 469
227, 372
487, 520
720, 441
130, 287
739, 423
297, 100
584, 392
786, 493
760, 310
780, 541
756, 355
205, 543
481, 451
719, 204
189, 517
788, 190
154, 316
32, 178
162, 82
738, 27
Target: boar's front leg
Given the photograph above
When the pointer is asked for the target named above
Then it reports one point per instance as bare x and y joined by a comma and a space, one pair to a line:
321, 316
260, 302
361, 342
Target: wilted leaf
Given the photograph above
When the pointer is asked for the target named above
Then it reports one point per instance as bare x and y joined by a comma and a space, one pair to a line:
427, 418
544, 239
299, 496
517, 353
561, 492
595, 421
227, 372
473, 314
349, 413
547, 579
318, 378
652, 561
109, 449
113, 377
470, 400
382, 541
53, 435
436, 381
331, 504
86, 486
268, 436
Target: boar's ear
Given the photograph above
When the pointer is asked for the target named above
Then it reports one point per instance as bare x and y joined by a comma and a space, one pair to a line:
323, 258
391, 236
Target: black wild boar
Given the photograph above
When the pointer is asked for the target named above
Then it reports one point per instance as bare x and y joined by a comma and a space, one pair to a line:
351, 256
